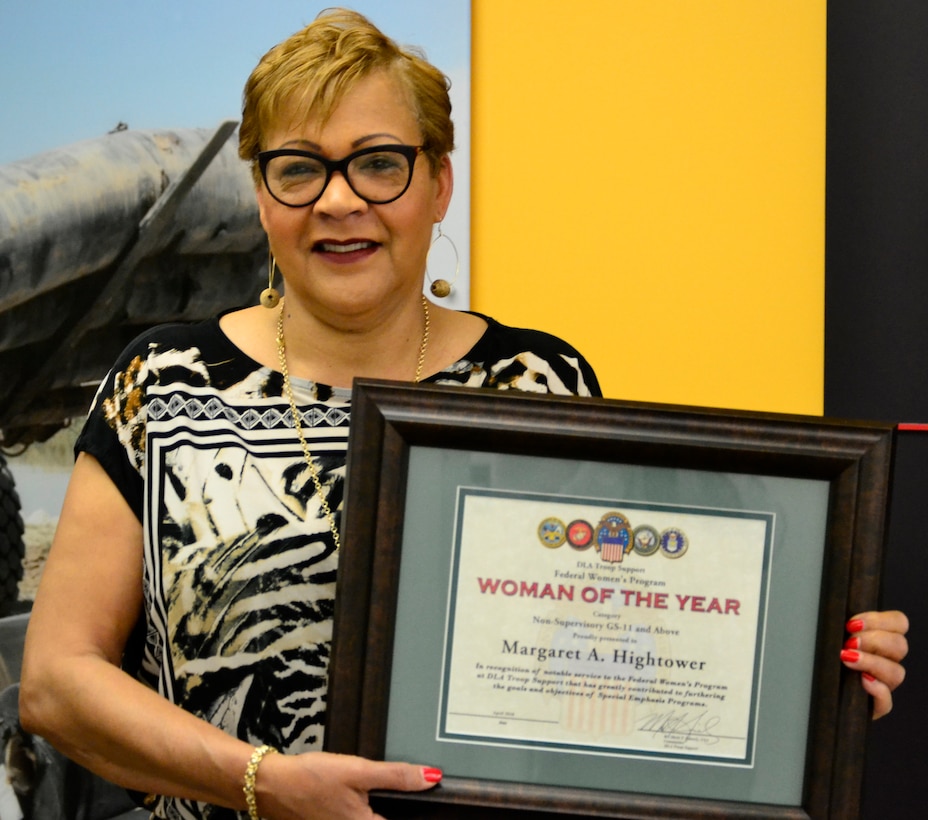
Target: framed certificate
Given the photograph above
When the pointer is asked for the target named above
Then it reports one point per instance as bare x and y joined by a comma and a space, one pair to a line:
605, 609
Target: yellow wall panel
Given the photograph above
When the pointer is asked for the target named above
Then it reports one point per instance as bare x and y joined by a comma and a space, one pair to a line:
648, 183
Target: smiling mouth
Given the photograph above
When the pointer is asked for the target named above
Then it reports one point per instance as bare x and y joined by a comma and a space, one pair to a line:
349, 247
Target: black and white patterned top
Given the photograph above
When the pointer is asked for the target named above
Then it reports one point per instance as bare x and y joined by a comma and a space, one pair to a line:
239, 560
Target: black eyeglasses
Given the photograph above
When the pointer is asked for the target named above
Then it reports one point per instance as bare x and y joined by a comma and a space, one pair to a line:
379, 174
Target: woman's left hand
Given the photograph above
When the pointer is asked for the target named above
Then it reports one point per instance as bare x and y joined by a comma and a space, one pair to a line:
876, 648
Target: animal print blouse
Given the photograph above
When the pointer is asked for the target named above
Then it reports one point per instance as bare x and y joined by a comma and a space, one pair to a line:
239, 561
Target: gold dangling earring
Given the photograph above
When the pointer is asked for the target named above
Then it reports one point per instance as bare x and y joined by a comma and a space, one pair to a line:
270, 296
442, 287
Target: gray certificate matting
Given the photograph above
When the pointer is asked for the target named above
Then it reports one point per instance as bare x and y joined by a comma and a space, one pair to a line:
800, 507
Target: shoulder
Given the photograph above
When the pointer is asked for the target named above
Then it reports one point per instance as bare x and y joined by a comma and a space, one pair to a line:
196, 354
177, 337
523, 359
502, 337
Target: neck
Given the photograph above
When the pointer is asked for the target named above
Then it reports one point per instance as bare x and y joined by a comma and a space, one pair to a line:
390, 349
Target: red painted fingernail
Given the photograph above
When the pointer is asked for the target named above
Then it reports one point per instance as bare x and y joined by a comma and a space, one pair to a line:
850, 655
856, 625
868, 676
852, 643
431, 775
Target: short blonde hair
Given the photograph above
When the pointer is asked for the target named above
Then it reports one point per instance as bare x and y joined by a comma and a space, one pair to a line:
317, 66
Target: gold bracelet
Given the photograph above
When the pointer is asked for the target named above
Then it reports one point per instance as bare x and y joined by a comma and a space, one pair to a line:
251, 774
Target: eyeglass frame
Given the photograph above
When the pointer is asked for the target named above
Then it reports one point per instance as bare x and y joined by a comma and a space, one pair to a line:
411, 152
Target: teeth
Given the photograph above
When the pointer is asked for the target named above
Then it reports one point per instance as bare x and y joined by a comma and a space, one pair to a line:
354, 246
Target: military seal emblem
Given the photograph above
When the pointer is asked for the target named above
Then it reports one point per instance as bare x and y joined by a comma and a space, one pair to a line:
613, 537
674, 542
552, 532
580, 534
646, 540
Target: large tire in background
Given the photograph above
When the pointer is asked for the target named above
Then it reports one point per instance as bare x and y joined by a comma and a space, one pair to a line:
11, 542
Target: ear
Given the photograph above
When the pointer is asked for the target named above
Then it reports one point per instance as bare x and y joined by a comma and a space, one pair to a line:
262, 196
444, 180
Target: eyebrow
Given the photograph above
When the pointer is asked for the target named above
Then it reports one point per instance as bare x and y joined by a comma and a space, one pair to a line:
355, 144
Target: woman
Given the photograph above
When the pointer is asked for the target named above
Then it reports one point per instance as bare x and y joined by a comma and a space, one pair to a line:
197, 502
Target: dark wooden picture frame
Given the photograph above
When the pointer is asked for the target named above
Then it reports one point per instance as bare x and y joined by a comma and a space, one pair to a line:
854, 458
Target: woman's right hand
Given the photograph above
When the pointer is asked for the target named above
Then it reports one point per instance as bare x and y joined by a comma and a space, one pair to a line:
324, 786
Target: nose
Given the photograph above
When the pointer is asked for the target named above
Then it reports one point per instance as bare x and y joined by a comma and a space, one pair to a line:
338, 199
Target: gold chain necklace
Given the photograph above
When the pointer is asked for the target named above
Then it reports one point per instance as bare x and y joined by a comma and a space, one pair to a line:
297, 419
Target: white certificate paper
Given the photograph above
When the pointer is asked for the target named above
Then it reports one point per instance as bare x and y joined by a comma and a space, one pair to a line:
625, 628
